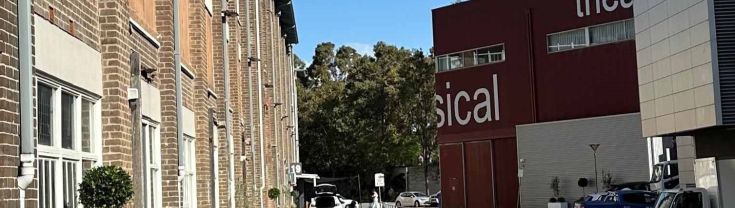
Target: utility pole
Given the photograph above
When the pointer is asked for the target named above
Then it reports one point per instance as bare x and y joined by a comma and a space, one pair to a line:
594, 153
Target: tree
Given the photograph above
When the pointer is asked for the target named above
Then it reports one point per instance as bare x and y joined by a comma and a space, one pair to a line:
362, 114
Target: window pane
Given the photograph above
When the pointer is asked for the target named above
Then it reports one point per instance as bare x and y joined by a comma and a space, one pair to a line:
567, 40
491, 54
612, 32
70, 183
67, 120
442, 64
86, 165
46, 183
45, 111
469, 58
455, 61
86, 125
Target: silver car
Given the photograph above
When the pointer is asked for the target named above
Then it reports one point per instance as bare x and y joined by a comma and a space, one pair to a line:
412, 199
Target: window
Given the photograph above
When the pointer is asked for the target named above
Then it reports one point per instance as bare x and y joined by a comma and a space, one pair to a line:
66, 142
593, 35
46, 176
568, 40
613, 32
45, 114
189, 192
67, 120
476, 57
87, 118
215, 165
152, 156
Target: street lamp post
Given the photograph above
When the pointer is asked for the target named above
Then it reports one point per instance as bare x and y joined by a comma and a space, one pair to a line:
594, 153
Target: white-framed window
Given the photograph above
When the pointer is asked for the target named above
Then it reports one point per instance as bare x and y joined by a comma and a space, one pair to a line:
68, 141
152, 156
568, 40
592, 35
470, 58
215, 165
189, 183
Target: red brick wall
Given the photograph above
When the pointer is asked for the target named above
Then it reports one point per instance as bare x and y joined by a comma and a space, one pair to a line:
10, 119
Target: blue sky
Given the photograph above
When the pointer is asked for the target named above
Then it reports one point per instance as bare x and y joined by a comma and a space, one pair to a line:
362, 23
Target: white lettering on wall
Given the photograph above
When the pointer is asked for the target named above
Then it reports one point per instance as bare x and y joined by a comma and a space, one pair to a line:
608, 5
487, 106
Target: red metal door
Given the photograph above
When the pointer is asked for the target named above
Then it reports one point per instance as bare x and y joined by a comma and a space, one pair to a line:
451, 159
479, 172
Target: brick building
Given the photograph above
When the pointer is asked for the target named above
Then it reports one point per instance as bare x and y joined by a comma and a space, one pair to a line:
104, 91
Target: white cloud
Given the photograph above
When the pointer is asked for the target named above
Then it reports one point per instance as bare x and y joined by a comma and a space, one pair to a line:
362, 48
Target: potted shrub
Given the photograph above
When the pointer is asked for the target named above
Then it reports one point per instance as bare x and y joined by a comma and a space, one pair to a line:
274, 193
556, 201
105, 186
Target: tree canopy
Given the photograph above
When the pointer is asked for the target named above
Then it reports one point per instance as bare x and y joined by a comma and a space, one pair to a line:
361, 114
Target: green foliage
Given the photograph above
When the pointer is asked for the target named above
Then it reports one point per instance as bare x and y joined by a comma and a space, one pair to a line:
106, 186
361, 114
274, 193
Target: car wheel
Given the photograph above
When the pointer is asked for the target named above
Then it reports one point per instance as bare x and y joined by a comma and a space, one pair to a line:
416, 204
398, 204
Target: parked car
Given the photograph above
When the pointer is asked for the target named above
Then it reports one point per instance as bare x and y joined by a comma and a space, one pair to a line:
415, 199
435, 200
621, 199
325, 188
642, 186
332, 201
349, 203
684, 198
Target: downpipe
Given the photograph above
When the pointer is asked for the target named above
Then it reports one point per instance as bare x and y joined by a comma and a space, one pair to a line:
179, 102
260, 103
27, 156
228, 115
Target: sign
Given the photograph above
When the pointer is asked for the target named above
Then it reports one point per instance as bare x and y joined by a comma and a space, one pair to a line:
296, 168
451, 108
586, 7
379, 180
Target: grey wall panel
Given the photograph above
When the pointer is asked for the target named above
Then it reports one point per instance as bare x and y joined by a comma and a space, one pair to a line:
562, 149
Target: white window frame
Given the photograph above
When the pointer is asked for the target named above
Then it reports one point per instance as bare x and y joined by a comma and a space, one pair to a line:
59, 155
448, 65
588, 37
190, 185
153, 180
215, 165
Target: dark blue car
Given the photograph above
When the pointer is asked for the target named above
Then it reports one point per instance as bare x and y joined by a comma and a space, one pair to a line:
621, 199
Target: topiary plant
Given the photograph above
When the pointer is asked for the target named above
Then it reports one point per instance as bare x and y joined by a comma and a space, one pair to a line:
105, 186
274, 193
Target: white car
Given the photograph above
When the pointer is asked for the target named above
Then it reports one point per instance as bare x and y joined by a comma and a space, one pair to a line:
414, 199
332, 201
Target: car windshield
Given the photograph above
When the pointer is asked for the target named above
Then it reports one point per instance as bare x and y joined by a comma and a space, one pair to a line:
688, 200
417, 194
325, 189
665, 199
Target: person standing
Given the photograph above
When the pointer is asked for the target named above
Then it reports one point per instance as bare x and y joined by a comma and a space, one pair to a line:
376, 203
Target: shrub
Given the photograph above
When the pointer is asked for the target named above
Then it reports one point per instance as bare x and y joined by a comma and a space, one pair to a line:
274, 193
106, 186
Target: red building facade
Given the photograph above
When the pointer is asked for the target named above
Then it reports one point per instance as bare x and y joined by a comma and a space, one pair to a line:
507, 63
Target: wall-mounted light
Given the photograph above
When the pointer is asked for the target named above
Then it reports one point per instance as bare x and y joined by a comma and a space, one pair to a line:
230, 13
